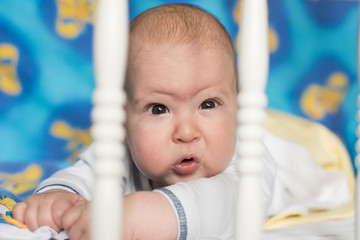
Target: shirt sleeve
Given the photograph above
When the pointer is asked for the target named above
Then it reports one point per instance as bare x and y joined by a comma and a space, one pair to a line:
78, 178
205, 207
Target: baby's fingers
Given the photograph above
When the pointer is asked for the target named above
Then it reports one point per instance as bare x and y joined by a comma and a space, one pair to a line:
70, 217
27, 213
45, 218
76, 222
74, 215
19, 211
31, 216
58, 209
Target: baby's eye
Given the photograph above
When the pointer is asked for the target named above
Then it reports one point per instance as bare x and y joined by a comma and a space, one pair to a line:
157, 109
207, 104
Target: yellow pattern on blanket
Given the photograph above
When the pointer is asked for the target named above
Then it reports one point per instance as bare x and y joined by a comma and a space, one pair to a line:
329, 152
7, 203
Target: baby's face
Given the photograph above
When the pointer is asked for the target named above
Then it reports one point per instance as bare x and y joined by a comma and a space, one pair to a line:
181, 113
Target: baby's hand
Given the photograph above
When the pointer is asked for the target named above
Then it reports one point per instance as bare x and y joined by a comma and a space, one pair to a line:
76, 221
46, 209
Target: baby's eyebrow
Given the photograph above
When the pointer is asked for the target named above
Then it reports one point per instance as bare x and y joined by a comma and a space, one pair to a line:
153, 95
150, 95
145, 99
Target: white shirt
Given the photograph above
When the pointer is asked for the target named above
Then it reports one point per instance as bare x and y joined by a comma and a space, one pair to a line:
204, 207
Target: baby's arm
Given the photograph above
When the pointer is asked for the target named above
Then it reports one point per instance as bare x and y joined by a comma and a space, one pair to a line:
147, 216
46, 209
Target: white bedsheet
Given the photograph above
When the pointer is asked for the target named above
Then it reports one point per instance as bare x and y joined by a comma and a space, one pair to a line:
327, 230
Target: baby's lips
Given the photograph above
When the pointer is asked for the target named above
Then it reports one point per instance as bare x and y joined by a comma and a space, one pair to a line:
186, 167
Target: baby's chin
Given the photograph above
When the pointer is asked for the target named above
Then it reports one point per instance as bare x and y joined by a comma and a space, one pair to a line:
185, 179
156, 184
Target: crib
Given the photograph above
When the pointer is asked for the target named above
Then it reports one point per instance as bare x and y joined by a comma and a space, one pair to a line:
110, 40
253, 71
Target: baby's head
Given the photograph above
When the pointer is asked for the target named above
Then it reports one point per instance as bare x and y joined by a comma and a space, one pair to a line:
178, 24
181, 85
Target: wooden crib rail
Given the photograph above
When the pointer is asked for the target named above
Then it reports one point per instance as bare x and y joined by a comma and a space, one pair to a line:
108, 116
253, 74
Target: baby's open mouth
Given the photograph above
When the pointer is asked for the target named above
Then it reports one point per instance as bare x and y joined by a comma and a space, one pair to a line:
186, 166
187, 160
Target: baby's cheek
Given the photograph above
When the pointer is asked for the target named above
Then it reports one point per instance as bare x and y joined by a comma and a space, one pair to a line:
225, 148
143, 152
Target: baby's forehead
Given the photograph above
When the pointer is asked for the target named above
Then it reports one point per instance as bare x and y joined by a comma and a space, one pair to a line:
148, 55
152, 52
152, 61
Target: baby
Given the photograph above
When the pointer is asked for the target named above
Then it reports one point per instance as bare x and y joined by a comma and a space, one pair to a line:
181, 177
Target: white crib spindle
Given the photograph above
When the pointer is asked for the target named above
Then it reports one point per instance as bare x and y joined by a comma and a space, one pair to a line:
253, 74
357, 147
110, 56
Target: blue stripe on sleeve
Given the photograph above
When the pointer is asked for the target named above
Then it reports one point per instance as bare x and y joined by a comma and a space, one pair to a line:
180, 211
58, 185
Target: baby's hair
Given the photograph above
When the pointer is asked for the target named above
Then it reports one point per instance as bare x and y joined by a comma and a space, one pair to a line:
179, 23
172, 24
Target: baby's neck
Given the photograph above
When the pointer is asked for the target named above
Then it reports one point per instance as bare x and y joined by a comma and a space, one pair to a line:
155, 184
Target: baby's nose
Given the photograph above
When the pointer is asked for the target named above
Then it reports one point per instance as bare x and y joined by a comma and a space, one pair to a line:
186, 131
